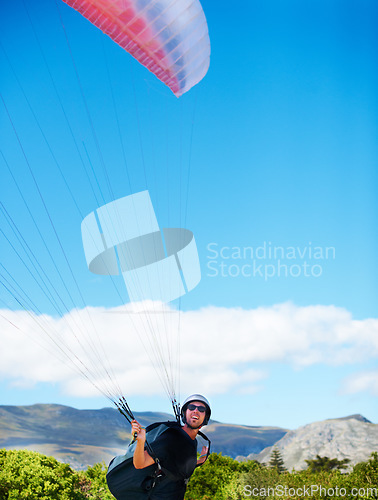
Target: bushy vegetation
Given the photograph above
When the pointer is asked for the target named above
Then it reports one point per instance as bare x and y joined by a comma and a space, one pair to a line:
29, 475
25, 474
269, 481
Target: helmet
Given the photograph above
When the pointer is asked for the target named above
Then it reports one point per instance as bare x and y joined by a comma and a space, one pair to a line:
190, 399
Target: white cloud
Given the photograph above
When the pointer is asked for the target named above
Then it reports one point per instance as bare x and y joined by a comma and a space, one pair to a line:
362, 382
220, 348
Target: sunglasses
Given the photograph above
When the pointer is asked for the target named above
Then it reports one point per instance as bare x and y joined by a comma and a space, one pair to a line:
192, 407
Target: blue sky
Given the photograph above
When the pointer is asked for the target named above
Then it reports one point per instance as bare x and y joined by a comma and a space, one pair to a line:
279, 144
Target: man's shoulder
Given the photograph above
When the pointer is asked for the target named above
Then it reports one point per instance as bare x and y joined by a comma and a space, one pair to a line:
163, 425
164, 430
169, 434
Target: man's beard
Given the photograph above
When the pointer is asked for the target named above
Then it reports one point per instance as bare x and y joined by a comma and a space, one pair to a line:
194, 428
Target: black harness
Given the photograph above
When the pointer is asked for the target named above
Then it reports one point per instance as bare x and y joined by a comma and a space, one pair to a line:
125, 482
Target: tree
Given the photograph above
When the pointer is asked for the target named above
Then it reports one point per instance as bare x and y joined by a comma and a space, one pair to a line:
276, 461
368, 471
95, 477
326, 464
26, 474
209, 480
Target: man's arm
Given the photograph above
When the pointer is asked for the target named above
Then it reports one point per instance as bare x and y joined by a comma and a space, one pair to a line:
141, 458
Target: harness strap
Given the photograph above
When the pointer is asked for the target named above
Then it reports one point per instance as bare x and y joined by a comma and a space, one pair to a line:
208, 448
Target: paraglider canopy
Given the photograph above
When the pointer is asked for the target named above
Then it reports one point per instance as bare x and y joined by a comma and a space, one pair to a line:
170, 38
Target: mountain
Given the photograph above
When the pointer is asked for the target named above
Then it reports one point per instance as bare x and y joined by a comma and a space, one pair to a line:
352, 437
80, 437
84, 437
233, 440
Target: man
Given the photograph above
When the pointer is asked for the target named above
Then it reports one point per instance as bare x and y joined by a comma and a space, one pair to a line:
175, 449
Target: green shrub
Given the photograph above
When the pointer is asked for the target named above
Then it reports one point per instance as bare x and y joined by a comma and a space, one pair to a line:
31, 475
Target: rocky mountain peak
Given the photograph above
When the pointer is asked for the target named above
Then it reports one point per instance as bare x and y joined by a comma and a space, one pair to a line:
352, 437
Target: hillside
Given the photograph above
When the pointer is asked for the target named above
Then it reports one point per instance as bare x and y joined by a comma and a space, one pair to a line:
351, 437
84, 437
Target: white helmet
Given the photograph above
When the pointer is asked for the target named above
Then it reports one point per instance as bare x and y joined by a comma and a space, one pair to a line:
196, 397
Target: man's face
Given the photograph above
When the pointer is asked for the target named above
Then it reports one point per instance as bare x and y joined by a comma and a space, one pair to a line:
194, 417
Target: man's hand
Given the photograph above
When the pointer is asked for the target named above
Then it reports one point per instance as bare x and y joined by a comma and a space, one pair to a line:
203, 456
138, 431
